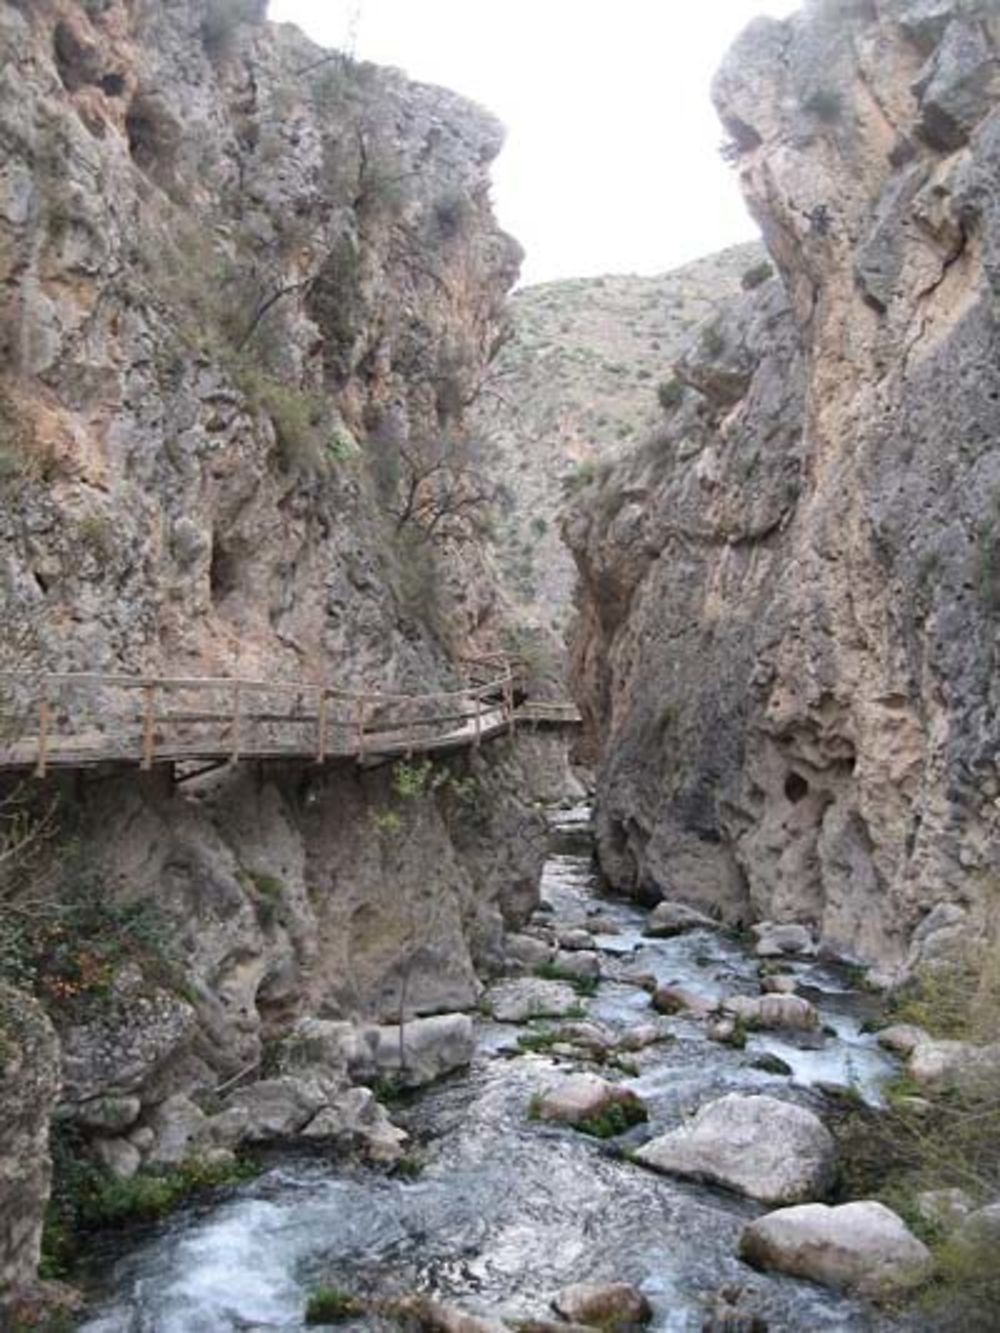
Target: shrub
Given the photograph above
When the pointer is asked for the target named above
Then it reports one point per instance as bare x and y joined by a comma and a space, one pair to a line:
222, 18
825, 104
619, 1117
330, 1305
712, 341
670, 393
756, 276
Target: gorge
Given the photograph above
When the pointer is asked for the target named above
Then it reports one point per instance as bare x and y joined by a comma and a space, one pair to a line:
346, 977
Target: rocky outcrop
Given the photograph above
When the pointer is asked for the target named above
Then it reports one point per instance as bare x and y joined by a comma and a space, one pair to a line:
788, 600
251, 289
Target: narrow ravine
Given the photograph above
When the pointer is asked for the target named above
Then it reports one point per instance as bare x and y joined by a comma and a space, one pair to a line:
507, 1210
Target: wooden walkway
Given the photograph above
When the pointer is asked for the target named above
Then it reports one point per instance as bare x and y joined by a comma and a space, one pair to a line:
83, 720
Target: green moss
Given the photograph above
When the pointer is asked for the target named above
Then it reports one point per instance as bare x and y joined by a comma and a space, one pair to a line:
585, 986
86, 1197
331, 1305
619, 1117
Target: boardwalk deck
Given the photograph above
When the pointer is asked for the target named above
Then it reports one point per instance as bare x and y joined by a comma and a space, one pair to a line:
85, 720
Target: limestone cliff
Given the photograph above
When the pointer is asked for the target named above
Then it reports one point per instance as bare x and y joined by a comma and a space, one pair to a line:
575, 386
788, 626
250, 289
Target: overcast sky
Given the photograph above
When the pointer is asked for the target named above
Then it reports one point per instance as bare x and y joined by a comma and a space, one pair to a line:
611, 163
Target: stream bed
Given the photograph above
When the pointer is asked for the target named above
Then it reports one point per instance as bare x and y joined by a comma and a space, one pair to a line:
507, 1210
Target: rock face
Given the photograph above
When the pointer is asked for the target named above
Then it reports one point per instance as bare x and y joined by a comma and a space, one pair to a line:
573, 388
759, 1146
863, 1247
251, 289
788, 600
29, 1085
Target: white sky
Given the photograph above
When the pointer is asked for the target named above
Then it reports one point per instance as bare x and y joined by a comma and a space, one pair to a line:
611, 163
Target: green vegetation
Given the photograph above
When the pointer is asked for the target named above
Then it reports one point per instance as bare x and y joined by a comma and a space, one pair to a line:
330, 1305
619, 1117
222, 18
553, 972
825, 104
938, 1140
68, 949
538, 1041
86, 1197
310, 440
712, 342
756, 276
670, 393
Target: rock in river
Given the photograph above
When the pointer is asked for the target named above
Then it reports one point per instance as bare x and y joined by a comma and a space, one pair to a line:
587, 1097
768, 1149
609, 1305
862, 1247
531, 997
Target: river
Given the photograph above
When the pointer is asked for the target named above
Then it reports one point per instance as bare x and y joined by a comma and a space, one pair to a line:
507, 1210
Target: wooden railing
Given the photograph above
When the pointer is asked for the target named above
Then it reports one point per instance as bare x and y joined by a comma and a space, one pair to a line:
76, 720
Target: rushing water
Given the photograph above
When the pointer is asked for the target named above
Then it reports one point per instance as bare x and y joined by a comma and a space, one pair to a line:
508, 1210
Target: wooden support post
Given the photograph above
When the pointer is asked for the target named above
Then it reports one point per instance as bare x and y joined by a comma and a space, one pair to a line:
321, 719
43, 732
237, 717
148, 725
361, 729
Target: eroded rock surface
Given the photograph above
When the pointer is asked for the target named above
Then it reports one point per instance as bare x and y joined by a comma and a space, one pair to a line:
788, 599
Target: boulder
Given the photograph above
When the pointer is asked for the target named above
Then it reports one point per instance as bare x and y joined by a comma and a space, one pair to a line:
779, 984
176, 1123
774, 940
107, 1115
674, 999
960, 1066
768, 1149
605, 1304
981, 1227
580, 965
273, 1109
356, 1120
519, 1000
430, 1048
435, 1317
599, 924
584, 1097
121, 1157
575, 938
773, 1011
861, 1247
528, 951
668, 919
902, 1038
638, 1038
588, 1035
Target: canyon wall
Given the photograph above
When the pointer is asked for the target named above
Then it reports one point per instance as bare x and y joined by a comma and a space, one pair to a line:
787, 634
250, 290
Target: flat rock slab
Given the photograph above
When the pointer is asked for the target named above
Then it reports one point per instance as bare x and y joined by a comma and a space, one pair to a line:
768, 1149
605, 1304
532, 997
861, 1247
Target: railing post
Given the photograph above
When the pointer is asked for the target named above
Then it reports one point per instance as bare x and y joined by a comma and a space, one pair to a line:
361, 729
237, 717
148, 723
321, 720
43, 731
